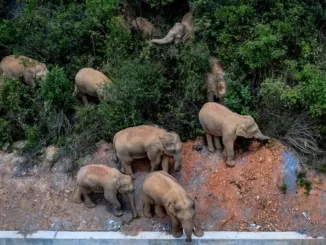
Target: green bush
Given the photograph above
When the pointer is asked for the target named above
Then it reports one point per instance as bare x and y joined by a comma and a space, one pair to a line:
273, 54
16, 109
57, 90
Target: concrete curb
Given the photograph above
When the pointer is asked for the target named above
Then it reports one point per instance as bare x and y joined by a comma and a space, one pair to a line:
117, 238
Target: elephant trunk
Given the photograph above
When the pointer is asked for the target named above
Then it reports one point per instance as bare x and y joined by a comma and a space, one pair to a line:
188, 230
165, 40
260, 136
178, 161
131, 196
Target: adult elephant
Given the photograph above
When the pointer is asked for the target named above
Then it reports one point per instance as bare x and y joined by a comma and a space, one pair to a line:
218, 121
141, 141
87, 83
30, 70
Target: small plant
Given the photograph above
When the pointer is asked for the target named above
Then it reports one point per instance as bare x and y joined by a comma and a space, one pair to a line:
304, 182
284, 188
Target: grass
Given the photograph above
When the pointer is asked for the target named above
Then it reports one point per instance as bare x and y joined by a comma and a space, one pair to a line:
303, 182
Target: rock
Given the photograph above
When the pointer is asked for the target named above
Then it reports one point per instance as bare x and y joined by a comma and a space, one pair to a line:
51, 154
83, 161
18, 145
64, 165
103, 152
5, 146
19, 160
198, 145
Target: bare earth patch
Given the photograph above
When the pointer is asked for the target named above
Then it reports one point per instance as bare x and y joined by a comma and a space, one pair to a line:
246, 197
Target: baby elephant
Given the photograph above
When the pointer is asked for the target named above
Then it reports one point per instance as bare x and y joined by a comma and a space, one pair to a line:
100, 178
217, 120
153, 142
163, 191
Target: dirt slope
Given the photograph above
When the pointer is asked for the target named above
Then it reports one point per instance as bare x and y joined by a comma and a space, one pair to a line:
246, 197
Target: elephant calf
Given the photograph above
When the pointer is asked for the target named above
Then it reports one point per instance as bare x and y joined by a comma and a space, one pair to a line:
87, 82
144, 25
216, 84
217, 120
30, 70
100, 178
153, 142
163, 191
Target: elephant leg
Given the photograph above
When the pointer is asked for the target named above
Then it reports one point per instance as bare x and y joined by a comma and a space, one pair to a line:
147, 206
127, 167
210, 96
155, 161
217, 143
122, 169
177, 230
165, 164
159, 211
88, 202
85, 100
198, 230
77, 196
210, 146
229, 148
111, 196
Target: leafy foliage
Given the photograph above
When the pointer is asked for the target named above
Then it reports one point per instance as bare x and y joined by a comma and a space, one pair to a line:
273, 54
56, 90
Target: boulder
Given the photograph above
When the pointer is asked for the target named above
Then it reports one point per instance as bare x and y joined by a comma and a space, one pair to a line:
52, 154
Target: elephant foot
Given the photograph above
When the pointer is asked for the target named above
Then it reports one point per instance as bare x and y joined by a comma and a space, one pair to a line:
90, 204
198, 233
117, 212
210, 148
148, 215
177, 233
135, 216
230, 163
176, 168
77, 199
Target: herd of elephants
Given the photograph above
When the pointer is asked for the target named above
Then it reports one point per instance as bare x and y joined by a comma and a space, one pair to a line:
159, 188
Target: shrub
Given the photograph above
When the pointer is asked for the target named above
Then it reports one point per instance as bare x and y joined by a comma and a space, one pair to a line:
57, 90
16, 109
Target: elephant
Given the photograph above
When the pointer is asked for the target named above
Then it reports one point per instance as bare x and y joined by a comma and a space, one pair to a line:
216, 84
218, 121
144, 25
163, 191
29, 69
188, 23
144, 140
87, 82
180, 32
100, 178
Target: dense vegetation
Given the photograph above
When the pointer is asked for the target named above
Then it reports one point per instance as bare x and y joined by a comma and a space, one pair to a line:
274, 53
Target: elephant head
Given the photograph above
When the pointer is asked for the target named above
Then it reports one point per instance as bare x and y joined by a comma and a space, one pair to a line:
248, 128
124, 185
39, 71
175, 34
184, 211
172, 146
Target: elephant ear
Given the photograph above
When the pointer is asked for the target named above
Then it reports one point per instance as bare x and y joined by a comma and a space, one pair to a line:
169, 141
124, 184
241, 131
170, 207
